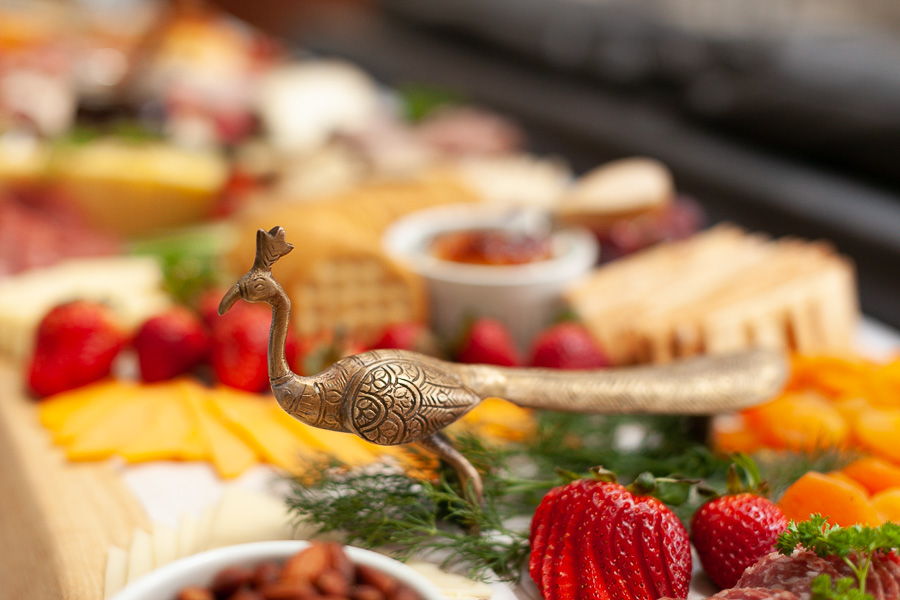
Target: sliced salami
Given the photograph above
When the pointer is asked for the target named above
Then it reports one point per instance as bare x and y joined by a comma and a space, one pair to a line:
888, 568
789, 573
749, 594
883, 580
754, 594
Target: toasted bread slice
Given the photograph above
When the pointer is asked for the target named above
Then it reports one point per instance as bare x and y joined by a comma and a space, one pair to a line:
722, 290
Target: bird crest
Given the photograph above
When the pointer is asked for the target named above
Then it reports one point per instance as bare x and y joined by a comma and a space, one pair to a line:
270, 246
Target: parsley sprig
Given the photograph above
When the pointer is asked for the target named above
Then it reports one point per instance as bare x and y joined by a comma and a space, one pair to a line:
855, 545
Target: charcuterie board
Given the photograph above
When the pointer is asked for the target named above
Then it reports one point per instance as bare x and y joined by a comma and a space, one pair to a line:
59, 518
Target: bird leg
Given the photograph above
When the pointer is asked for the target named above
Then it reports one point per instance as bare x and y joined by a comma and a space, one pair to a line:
469, 479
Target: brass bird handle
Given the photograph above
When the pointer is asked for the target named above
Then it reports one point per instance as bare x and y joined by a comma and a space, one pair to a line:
699, 386
390, 397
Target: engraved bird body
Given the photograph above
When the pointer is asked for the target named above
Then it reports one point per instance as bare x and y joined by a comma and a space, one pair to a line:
386, 397
391, 397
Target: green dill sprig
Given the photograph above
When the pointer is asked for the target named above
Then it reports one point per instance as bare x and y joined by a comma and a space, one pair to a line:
406, 516
396, 512
855, 545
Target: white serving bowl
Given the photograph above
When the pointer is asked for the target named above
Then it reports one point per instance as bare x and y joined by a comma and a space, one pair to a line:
526, 298
165, 582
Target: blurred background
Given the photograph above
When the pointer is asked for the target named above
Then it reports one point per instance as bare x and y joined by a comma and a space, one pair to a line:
780, 115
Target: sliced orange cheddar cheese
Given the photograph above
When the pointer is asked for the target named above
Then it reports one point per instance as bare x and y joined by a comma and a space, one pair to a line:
55, 410
194, 447
112, 430
499, 419
90, 412
345, 447
165, 434
250, 417
227, 451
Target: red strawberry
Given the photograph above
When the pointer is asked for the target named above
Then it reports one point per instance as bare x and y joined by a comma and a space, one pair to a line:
240, 344
595, 539
732, 532
408, 336
170, 344
567, 346
561, 575
488, 341
540, 530
76, 344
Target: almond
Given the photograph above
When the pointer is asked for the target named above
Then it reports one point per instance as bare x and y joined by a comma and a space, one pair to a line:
333, 583
229, 580
307, 565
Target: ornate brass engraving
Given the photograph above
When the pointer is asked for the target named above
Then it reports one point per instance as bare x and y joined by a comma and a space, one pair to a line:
393, 397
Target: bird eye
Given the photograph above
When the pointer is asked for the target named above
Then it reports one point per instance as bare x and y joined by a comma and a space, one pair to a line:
259, 286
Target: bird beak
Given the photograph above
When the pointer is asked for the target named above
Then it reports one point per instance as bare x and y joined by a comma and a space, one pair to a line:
228, 300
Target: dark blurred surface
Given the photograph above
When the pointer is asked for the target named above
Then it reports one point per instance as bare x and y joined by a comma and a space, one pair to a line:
773, 118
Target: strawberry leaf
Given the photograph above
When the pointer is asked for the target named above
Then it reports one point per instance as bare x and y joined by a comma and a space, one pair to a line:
673, 492
568, 476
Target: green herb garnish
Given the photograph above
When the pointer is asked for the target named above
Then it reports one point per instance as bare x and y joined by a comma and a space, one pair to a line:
398, 513
421, 100
855, 545
189, 258
823, 588
392, 510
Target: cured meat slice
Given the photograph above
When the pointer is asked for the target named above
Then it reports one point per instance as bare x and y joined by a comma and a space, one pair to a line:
749, 594
790, 573
888, 568
883, 580
754, 594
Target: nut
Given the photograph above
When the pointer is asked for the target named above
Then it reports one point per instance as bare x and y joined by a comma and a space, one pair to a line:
333, 583
307, 565
245, 594
320, 572
288, 590
267, 572
340, 561
229, 580
380, 581
195, 593
404, 592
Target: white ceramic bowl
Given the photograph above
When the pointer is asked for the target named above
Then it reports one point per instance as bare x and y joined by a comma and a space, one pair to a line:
526, 297
165, 582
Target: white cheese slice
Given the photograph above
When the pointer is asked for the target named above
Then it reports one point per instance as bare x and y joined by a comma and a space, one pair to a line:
131, 285
187, 535
116, 571
140, 557
165, 544
204, 529
245, 516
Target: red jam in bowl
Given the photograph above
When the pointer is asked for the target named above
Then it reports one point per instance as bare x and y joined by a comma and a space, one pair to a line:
495, 247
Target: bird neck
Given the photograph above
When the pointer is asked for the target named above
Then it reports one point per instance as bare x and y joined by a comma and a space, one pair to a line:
281, 319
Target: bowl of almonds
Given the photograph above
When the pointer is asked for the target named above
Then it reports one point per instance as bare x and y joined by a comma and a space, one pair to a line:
283, 570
